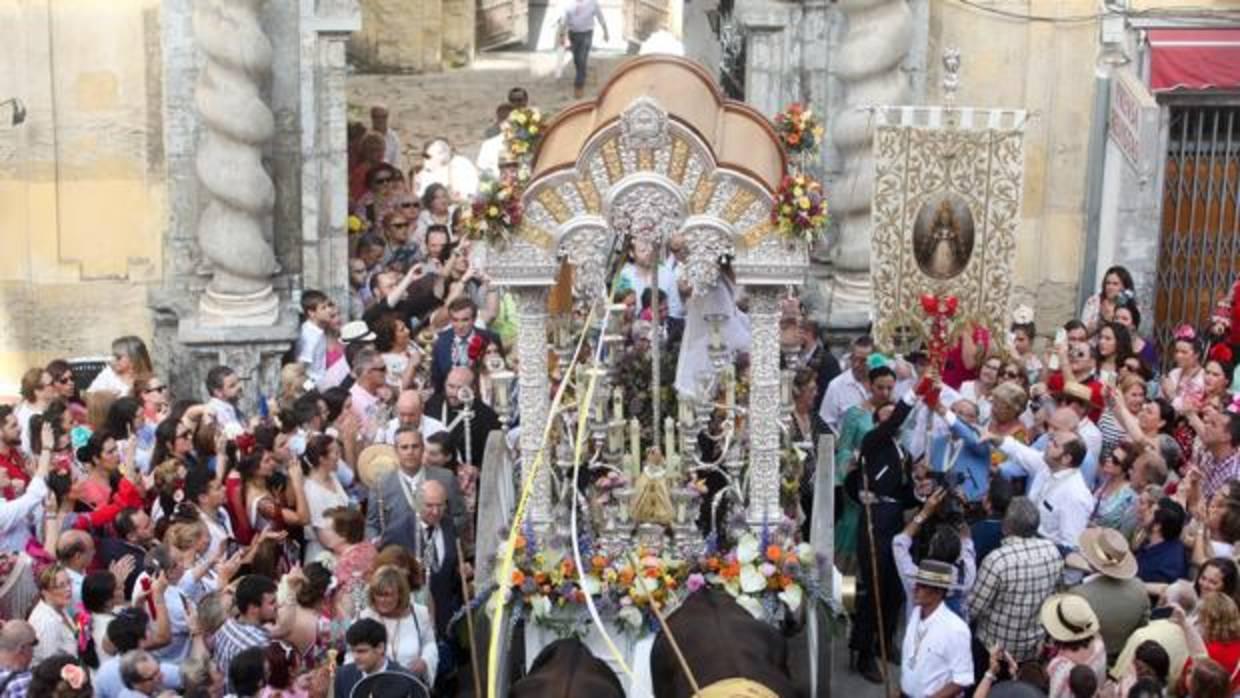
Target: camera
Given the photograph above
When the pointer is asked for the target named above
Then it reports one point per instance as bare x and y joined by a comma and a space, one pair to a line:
951, 509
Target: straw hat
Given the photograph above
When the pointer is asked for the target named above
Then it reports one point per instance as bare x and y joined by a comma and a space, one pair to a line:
1106, 551
1068, 618
936, 574
376, 461
1081, 393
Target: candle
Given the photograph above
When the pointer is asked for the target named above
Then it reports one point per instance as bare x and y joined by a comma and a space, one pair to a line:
615, 437
635, 445
686, 411
502, 381
617, 403
785, 388
669, 437
729, 381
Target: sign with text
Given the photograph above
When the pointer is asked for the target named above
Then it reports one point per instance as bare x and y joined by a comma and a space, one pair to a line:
1133, 122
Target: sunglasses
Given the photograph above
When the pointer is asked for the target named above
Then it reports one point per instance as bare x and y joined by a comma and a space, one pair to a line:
1011, 374
65, 379
156, 389
383, 180
400, 226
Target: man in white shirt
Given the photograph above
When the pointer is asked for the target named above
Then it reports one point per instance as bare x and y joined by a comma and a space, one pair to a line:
224, 387
851, 387
936, 659
491, 150
578, 20
320, 314
1081, 399
391, 142
409, 413
1056, 486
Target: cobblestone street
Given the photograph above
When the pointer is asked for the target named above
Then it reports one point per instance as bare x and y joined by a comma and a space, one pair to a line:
459, 104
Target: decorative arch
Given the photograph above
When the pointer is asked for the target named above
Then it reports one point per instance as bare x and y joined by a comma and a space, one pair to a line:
659, 153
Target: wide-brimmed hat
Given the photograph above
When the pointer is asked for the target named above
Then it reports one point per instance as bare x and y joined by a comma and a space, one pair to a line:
933, 573
1068, 618
356, 331
1106, 551
1081, 393
375, 461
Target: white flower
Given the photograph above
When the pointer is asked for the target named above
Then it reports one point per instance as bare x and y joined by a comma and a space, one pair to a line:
540, 607
805, 553
752, 580
752, 605
747, 549
792, 597
630, 616
591, 585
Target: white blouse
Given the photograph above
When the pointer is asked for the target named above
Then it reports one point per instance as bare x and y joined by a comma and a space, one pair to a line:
410, 637
55, 631
319, 499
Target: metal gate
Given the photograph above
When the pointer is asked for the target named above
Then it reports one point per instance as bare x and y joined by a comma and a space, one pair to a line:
1199, 246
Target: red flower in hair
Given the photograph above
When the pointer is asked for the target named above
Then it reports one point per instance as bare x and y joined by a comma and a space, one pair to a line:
1221, 353
245, 443
477, 346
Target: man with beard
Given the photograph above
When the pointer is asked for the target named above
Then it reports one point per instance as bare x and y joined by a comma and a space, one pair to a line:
446, 404
224, 387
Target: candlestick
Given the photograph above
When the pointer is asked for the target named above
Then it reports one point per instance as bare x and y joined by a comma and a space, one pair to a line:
617, 403
729, 380
615, 437
686, 411
669, 437
635, 445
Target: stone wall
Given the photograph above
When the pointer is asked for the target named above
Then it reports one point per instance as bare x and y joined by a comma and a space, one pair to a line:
83, 193
413, 35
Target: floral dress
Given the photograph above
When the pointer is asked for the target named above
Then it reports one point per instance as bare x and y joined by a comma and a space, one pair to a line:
1117, 510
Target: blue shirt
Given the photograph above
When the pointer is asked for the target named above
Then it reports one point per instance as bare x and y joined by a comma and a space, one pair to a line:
987, 534
973, 462
1162, 563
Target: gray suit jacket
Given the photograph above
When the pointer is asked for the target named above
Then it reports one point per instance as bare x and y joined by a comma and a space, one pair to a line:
389, 497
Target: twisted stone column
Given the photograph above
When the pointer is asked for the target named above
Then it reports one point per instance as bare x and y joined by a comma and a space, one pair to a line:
764, 407
879, 36
234, 229
531, 302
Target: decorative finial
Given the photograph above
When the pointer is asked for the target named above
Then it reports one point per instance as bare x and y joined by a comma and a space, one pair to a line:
951, 74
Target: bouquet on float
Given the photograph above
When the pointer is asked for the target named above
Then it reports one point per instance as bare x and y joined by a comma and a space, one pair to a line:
522, 129
763, 576
799, 132
800, 209
495, 212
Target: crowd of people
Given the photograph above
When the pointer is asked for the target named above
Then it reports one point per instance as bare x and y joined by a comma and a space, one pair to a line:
1060, 521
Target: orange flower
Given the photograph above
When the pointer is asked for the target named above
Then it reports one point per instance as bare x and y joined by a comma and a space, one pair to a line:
598, 561
520, 542
791, 558
712, 564
540, 577
732, 571
518, 578
773, 553
794, 138
651, 573
626, 575
670, 582
784, 581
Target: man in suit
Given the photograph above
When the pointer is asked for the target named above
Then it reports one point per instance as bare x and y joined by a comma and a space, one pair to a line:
446, 404
367, 641
135, 533
436, 549
392, 515
451, 347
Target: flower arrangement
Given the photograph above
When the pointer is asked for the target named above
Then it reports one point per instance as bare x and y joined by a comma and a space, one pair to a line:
522, 129
761, 578
799, 132
800, 209
495, 211
768, 575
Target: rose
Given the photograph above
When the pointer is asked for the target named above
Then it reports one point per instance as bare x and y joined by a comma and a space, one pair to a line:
695, 582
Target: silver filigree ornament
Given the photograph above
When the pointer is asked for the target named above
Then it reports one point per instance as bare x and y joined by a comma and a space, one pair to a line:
584, 245
647, 211
707, 243
644, 125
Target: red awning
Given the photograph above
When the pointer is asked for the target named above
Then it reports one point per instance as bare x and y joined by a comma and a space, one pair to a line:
1194, 59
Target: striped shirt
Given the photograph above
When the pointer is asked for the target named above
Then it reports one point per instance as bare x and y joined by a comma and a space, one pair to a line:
234, 638
16, 684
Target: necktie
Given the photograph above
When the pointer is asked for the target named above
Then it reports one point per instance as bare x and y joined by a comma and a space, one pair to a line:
460, 352
432, 551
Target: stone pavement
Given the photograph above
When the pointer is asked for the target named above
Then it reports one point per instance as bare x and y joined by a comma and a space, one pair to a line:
459, 104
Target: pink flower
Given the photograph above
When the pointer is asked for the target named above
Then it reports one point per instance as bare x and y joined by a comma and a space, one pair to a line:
695, 582
767, 569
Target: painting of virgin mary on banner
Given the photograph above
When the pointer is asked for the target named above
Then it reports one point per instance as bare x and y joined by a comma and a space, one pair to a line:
947, 200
